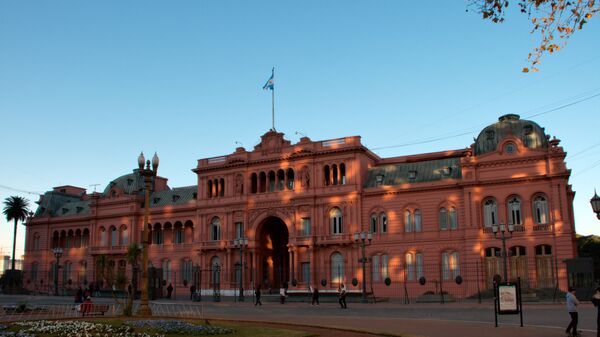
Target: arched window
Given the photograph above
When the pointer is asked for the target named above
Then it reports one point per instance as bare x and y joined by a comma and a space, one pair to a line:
337, 268
186, 272
417, 220
215, 266
124, 236
157, 234
342, 174
271, 181
85, 239
375, 271
280, 180
70, 239
335, 216
443, 219
253, 183
450, 265
209, 189
373, 223
166, 269
384, 266
419, 265
262, 180
178, 233
215, 229
222, 187
514, 211
408, 225
78, 238
114, 236
409, 269
67, 268
540, 210
452, 216
326, 175
490, 213
384, 224
55, 239
334, 173
290, 179
103, 237
36, 241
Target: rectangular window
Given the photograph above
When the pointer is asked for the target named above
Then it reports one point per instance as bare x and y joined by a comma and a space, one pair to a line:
305, 272
305, 226
239, 230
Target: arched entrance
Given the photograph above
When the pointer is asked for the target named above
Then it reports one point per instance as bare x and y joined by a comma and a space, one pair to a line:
272, 253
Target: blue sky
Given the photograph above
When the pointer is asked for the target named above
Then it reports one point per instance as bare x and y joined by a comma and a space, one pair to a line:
84, 86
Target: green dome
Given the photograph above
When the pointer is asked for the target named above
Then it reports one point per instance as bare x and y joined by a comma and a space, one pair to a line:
530, 133
132, 183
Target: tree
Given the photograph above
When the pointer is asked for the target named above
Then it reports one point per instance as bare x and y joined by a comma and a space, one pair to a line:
133, 254
555, 20
16, 209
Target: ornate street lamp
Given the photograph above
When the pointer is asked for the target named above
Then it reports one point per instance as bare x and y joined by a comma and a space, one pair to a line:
58, 252
595, 201
148, 174
504, 229
364, 239
241, 243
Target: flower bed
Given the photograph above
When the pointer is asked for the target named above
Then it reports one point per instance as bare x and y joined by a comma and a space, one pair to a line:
139, 328
179, 327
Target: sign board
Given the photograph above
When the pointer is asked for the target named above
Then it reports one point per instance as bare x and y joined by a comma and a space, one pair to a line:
508, 301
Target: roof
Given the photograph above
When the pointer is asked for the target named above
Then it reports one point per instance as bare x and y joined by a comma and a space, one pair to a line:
175, 196
52, 203
429, 170
530, 133
132, 183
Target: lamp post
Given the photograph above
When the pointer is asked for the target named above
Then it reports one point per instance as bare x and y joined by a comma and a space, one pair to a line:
364, 239
595, 201
241, 243
57, 254
503, 230
148, 174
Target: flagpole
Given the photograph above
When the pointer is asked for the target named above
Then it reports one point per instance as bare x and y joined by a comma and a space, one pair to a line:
273, 100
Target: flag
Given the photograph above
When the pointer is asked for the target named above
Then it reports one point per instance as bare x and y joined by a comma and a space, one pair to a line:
271, 82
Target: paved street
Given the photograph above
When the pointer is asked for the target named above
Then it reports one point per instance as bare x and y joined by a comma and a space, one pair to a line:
469, 319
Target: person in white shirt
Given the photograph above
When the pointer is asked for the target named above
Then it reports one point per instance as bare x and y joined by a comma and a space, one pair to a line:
572, 303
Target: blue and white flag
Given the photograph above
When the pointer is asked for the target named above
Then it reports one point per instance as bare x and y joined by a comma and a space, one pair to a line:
271, 82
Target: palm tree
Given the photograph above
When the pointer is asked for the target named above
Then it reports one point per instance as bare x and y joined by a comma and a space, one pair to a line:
17, 209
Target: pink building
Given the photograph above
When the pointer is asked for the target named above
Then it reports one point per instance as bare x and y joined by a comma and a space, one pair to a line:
299, 205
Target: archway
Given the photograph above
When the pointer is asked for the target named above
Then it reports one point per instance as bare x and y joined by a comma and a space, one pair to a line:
272, 254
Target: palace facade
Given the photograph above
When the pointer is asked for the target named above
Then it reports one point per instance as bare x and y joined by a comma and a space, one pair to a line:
430, 217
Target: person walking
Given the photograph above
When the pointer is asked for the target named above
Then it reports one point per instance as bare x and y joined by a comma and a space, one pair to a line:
342, 296
192, 291
169, 290
596, 302
257, 295
572, 303
282, 295
315, 295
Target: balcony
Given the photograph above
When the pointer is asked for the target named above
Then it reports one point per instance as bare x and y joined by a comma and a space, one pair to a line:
542, 228
343, 238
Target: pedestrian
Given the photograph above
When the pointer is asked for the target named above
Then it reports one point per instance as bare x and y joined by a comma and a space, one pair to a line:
596, 302
572, 303
169, 290
315, 295
192, 291
257, 295
282, 295
79, 295
342, 296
